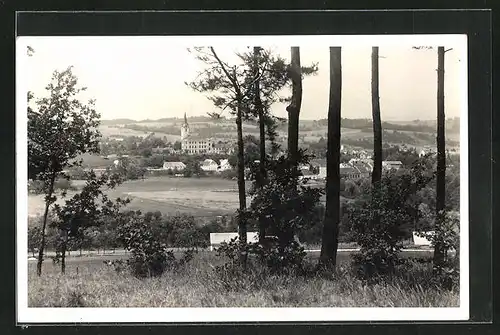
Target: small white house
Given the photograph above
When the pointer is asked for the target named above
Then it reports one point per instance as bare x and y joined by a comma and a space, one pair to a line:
224, 165
179, 166
392, 165
209, 165
217, 238
421, 240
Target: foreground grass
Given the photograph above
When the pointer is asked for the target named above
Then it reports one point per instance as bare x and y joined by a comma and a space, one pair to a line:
198, 285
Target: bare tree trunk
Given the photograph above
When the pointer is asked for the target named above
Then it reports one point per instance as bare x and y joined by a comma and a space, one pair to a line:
44, 224
377, 123
329, 245
295, 105
439, 252
261, 180
242, 226
377, 131
63, 251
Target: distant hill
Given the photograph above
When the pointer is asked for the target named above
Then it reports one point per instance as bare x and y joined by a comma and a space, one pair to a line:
114, 122
357, 132
117, 121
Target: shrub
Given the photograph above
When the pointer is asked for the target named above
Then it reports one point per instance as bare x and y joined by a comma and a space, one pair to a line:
149, 253
447, 234
146, 237
34, 239
379, 223
64, 184
283, 207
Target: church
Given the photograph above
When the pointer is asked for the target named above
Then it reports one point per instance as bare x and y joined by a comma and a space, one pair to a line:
193, 144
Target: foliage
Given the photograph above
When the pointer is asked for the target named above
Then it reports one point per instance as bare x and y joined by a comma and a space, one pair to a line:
193, 169
60, 127
284, 206
351, 189
148, 237
177, 145
392, 201
34, 238
91, 207
446, 232
130, 170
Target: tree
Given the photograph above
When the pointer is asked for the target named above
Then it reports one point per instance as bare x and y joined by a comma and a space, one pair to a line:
88, 208
332, 213
377, 124
193, 169
377, 127
439, 248
177, 145
34, 239
296, 102
60, 127
284, 207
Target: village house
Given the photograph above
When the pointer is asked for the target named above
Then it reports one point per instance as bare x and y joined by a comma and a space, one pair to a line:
209, 165
364, 166
178, 166
348, 171
391, 165
224, 165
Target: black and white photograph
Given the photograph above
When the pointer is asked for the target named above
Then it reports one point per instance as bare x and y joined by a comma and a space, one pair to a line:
242, 178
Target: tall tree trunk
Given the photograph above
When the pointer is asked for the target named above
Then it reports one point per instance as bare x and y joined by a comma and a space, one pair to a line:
295, 105
377, 131
261, 180
332, 213
439, 252
242, 226
63, 250
377, 123
48, 202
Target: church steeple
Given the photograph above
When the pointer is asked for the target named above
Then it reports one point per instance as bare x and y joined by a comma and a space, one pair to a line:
185, 128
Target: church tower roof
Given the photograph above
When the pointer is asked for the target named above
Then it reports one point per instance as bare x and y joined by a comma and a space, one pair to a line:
185, 118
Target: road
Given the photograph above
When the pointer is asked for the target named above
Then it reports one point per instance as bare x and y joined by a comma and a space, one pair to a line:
122, 252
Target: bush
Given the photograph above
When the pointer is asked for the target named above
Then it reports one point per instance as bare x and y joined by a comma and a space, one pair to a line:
146, 237
36, 187
380, 223
447, 234
283, 206
64, 184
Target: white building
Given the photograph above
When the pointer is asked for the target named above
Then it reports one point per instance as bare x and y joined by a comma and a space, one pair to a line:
224, 165
192, 144
392, 165
217, 238
178, 166
209, 165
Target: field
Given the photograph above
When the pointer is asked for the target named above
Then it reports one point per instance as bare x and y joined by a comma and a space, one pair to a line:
90, 283
196, 196
107, 131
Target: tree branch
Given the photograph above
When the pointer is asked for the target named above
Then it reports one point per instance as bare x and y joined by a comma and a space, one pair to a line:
233, 80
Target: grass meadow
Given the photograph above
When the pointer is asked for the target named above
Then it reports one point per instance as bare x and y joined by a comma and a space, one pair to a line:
169, 195
208, 196
90, 283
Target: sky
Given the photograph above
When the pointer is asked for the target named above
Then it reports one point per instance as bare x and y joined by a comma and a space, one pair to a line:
144, 77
